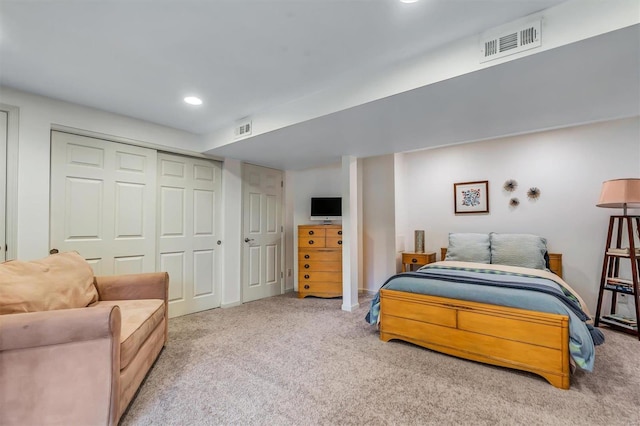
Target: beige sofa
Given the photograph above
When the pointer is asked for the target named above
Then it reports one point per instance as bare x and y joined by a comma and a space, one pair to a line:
74, 348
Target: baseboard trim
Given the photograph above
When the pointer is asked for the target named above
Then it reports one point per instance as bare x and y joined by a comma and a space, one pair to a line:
230, 305
350, 308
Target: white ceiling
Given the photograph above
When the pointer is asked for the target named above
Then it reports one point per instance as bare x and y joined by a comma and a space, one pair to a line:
592, 80
141, 57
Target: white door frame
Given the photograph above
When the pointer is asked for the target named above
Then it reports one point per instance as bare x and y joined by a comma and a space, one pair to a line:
4, 124
11, 209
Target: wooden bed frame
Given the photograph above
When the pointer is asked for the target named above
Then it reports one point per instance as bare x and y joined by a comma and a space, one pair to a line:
532, 341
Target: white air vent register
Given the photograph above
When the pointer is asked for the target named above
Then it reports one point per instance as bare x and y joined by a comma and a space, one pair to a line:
243, 128
507, 40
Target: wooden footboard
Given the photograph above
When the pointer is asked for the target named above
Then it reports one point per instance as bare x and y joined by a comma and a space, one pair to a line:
532, 341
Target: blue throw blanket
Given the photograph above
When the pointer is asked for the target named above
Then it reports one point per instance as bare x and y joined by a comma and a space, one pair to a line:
510, 289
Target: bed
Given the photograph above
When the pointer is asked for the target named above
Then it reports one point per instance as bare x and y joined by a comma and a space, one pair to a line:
500, 312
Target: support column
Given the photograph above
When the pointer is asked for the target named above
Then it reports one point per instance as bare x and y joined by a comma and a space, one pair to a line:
231, 286
350, 235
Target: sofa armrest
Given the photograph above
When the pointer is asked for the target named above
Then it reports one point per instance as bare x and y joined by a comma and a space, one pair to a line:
30, 330
154, 285
50, 360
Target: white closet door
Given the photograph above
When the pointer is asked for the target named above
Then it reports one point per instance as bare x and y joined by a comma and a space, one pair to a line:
262, 229
103, 203
189, 212
3, 184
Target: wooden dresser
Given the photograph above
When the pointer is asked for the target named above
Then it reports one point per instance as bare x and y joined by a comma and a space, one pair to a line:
320, 260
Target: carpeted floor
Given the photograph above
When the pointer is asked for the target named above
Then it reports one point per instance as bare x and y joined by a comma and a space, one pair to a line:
290, 361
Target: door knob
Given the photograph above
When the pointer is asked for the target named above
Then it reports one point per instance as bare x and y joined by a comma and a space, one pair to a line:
248, 240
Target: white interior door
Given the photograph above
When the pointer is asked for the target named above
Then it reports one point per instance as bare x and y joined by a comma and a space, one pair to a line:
3, 185
103, 198
262, 232
189, 230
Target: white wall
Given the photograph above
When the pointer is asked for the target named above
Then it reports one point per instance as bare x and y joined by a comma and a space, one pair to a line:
568, 166
378, 221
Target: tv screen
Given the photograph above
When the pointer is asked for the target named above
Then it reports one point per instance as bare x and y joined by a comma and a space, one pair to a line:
326, 208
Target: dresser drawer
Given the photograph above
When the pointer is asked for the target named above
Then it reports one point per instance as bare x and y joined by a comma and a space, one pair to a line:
328, 276
320, 288
334, 242
311, 242
311, 232
320, 266
322, 255
334, 232
418, 258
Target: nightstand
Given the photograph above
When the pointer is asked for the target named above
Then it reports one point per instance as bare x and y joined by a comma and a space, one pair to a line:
416, 259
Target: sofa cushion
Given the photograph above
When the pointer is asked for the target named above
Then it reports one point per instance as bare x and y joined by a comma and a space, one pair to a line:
59, 281
139, 319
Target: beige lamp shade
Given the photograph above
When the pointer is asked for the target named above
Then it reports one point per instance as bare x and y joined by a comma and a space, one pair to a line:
620, 193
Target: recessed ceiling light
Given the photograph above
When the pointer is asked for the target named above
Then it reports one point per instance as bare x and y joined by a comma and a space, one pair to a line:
192, 100
408, 1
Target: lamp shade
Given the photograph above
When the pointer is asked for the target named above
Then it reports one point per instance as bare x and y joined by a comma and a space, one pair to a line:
620, 193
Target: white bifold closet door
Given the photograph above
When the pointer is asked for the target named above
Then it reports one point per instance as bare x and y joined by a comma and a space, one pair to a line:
103, 198
128, 209
189, 204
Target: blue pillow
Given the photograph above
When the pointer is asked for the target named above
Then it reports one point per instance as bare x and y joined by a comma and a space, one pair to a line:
524, 250
469, 247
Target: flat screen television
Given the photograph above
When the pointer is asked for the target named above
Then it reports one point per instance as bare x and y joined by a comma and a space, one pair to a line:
326, 208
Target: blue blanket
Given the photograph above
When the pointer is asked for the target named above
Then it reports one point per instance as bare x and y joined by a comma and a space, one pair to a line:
506, 289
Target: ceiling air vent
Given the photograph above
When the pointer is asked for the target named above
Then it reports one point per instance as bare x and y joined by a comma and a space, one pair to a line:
508, 40
243, 128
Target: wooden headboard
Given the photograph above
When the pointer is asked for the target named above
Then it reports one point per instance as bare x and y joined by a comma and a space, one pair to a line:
555, 261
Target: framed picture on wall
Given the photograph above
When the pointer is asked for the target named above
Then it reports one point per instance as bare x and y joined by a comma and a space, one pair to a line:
471, 197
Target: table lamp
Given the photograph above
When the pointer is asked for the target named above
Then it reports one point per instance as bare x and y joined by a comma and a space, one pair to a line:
620, 193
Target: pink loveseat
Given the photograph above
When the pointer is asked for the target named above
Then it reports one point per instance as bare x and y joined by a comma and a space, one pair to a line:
74, 348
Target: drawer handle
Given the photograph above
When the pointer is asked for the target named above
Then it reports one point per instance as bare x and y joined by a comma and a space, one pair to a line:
306, 277
414, 260
306, 286
339, 242
306, 266
339, 232
306, 256
310, 242
310, 232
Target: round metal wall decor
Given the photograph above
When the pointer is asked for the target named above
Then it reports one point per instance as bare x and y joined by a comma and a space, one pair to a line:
533, 193
510, 185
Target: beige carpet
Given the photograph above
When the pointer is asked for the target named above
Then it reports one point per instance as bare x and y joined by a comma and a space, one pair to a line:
289, 361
